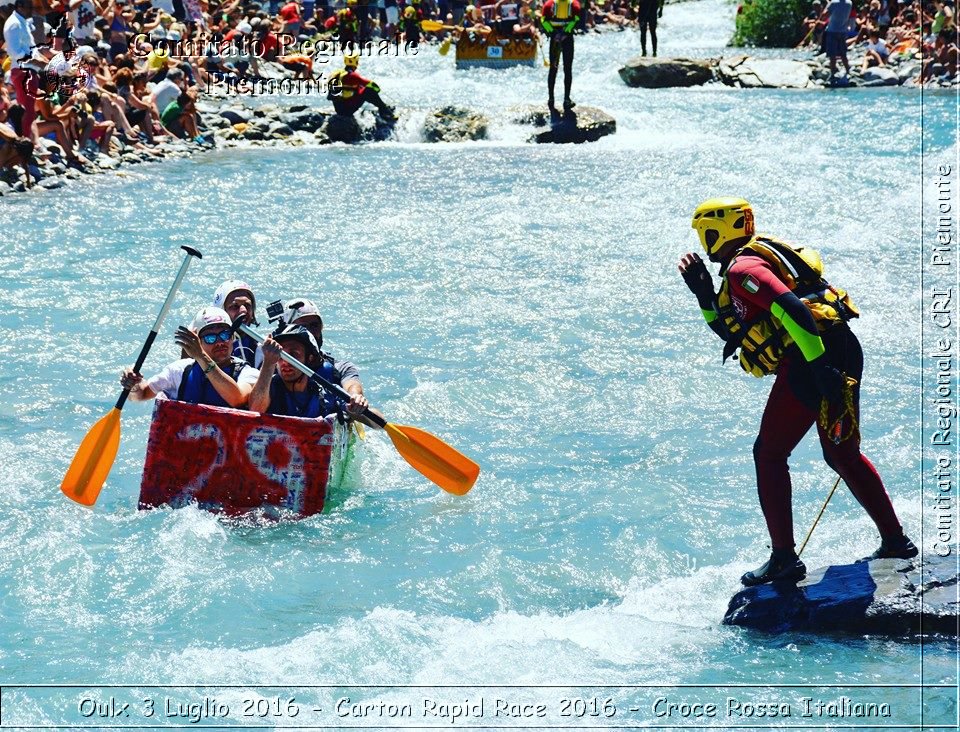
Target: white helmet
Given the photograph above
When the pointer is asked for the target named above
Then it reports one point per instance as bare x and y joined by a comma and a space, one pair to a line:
228, 288
209, 316
301, 308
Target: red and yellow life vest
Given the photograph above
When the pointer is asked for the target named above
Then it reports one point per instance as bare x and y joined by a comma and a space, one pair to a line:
763, 341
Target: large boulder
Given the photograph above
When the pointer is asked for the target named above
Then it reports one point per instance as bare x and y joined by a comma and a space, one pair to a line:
582, 124
658, 73
892, 596
236, 115
306, 120
454, 124
880, 76
766, 73
342, 128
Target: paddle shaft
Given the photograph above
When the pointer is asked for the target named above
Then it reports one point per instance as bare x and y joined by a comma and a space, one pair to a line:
148, 344
310, 373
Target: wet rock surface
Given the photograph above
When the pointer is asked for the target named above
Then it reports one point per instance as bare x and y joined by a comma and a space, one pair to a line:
888, 596
579, 125
660, 73
454, 124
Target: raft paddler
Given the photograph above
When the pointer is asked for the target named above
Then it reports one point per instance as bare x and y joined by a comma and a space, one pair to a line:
349, 91
284, 390
208, 375
304, 313
237, 298
559, 18
775, 307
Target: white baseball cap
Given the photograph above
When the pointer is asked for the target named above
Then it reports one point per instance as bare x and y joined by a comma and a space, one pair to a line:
209, 316
244, 28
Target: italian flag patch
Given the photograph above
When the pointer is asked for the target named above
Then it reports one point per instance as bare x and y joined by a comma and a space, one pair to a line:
750, 284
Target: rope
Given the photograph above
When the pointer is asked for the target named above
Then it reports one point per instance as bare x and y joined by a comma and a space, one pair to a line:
835, 429
817, 519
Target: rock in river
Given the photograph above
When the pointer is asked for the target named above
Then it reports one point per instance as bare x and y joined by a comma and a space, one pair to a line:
582, 124
893, 596
659, 73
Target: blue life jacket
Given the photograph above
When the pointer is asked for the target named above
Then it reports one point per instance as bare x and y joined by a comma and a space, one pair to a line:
321, 401
245, 348
196, 388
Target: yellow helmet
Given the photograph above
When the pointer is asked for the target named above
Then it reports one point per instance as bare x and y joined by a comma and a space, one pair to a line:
351, 61
409, 12
719, 221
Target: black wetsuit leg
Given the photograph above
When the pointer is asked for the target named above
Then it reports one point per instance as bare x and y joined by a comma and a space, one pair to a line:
555, 46
567, 50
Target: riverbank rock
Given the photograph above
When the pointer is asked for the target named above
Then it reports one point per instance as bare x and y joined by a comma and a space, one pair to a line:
340, 128
454, 124
881, 76
765, 73
660, 73
582, 124
890, 596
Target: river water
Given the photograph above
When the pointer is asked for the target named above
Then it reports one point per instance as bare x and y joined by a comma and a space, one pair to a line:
521, 302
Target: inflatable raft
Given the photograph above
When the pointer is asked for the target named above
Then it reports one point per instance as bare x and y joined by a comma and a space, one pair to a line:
232, 461
495, 51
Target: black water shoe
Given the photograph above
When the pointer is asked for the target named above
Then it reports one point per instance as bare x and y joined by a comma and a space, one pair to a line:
781, 567
899, 548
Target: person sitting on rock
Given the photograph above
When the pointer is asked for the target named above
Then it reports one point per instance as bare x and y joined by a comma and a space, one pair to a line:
875, 53
349, 91
209, 374
813, 26
180, 117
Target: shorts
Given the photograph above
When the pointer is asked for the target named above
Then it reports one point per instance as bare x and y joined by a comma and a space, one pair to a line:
835, 44
393, 14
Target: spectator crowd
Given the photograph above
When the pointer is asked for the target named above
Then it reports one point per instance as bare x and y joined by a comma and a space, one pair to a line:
886, 30
100, 76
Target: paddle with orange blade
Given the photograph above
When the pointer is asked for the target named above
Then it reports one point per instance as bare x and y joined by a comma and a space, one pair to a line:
96, 453
432, 457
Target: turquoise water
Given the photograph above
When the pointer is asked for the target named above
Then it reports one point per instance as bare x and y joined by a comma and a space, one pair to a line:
523, 304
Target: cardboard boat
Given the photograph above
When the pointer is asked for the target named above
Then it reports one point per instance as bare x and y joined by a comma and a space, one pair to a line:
495, 51
233, 461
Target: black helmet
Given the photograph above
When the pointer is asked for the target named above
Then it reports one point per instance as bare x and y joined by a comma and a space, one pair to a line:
298, 332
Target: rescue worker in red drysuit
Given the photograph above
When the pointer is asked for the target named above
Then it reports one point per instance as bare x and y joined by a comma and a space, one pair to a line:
345, 24
559, 18
349, 91
775, 307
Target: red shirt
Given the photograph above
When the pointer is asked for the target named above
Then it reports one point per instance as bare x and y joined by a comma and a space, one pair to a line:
269, 45
290, 13
754, 285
